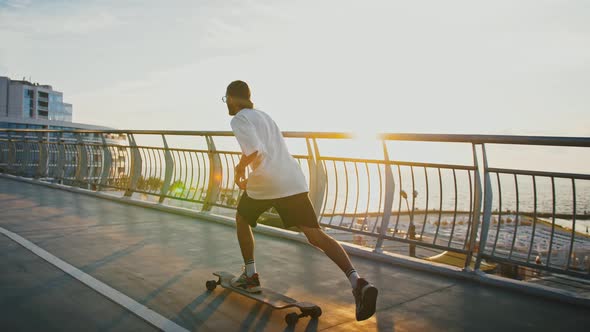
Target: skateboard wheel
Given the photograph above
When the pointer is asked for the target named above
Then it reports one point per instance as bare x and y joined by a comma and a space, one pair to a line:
315, 312
291, 319
211, 284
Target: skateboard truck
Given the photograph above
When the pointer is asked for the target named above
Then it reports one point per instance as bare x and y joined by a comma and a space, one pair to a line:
292, 317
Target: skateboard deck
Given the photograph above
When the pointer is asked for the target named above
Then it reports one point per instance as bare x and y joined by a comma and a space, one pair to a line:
267, 296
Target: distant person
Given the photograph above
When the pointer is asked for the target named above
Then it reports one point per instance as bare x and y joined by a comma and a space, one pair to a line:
276, 180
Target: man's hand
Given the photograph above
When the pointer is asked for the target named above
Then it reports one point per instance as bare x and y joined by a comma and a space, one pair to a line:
240, 177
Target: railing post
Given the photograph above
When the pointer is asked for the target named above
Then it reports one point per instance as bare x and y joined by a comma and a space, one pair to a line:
3, 156
215, 171
11, 154
43, 157
412, 235
388, 199
169, 167
82, 165
477, 201
107, 160
317, 177
487, 209
91, 160
24, 160
61, 159
135, 168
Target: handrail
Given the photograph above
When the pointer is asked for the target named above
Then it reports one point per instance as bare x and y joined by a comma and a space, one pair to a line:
490, 139
417, 137
293, 134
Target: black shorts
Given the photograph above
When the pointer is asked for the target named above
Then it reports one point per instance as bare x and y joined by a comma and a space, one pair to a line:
294, 210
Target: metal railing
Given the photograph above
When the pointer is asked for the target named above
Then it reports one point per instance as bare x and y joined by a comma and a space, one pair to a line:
484, 213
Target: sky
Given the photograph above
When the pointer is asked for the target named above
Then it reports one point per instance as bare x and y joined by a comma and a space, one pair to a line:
473, 67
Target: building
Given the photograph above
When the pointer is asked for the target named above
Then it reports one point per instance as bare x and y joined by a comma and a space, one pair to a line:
35, 106
26, 105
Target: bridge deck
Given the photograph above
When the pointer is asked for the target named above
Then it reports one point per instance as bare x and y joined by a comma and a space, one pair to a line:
162, 260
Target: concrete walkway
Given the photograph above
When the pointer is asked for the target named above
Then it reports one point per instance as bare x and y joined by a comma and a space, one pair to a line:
162, 261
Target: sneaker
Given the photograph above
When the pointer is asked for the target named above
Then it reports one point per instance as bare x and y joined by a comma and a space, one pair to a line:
365, 296
249, 284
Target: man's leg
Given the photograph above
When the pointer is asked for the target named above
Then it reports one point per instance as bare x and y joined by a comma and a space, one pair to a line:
318, 238
245, 238
249, 210
248, 280
297, 210
365, 294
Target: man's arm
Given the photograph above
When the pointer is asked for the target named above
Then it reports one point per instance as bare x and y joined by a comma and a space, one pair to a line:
245, 161
240, 171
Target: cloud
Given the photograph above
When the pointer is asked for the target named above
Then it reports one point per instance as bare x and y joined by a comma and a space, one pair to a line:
59, 21
15, 4
91, 22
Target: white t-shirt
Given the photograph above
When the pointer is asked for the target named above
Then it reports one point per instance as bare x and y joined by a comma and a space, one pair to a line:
275, 173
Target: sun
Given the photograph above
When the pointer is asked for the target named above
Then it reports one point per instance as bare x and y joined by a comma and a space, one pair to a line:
365, 144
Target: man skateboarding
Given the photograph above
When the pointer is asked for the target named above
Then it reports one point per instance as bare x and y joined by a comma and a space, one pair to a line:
276, 180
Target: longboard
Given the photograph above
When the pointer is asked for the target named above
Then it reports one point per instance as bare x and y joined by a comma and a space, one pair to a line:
269, 297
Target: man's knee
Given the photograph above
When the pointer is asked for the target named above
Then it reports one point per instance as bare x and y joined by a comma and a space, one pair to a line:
315, 236
241, 220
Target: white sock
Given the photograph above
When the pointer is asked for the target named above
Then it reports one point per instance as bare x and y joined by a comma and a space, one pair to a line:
250, 268
353, 276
